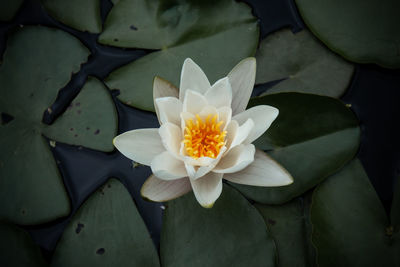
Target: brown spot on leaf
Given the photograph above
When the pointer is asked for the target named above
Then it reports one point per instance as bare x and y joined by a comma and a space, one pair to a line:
271, 222
79, 228
100, 251
97, 132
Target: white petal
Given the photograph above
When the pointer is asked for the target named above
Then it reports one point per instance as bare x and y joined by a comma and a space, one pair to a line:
242, 78
169, 110
171, 137
193, 78
208, 110
159, 190
262, 115
194, 102
220, 94
231, 130
163, 88
195, 172
264, 171
225, 115
207, 189
140, 145
167, 167
236, 159
242, 133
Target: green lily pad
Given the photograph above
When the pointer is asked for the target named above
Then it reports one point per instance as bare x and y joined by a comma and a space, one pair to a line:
232, 233
313, 137
38, 62
107, 230
290, 227
350, 226
206, 31
91, 119
78, 14
17, 248
8, 9
304, 63
361, 31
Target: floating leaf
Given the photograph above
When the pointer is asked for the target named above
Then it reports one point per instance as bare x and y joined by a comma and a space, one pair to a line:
17, 248
106, 231
91, 119
31, 187
8, 9
313, 137
361, 31
304, 63
206, 31
350, 226
290, 227
232, 233
78, 14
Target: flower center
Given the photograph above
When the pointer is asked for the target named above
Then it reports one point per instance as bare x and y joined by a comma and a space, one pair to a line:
204, 138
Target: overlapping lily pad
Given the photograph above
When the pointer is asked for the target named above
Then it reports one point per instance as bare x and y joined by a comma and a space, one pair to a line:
290, 227
78, 14
350, 226
209, 32
106, 231
313, 137
8, 9
232, 233
37, 63
361, 31
304, 63
17, 248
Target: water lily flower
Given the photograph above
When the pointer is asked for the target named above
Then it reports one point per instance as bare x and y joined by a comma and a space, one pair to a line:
205, 136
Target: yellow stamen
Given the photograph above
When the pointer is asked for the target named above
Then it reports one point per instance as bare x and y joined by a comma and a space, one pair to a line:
204, 138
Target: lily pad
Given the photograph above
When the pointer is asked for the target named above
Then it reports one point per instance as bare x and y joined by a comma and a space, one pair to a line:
232, 233
313, 137
8, 9
17, 248
31, 187
107, 230
78, 14
90, 120
350, 226
290, 227
206, 31
303, 64
361, 31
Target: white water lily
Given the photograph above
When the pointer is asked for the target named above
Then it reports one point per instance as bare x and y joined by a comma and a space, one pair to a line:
205, 136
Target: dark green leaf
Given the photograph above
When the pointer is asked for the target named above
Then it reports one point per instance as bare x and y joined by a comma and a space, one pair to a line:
209, 32
106, 231
290, 227
232, 233
8, 9
31, 188
361, 31
350, 226
17, 248
305, 64
83, 15
313, 137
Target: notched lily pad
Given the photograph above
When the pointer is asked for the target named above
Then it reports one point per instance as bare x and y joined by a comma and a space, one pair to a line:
31, 187
303, 63
206, 31
313, 137
78, 14
350, 226
107, 230
90, 119
17, 248
290, 227
361, 31
232, 233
